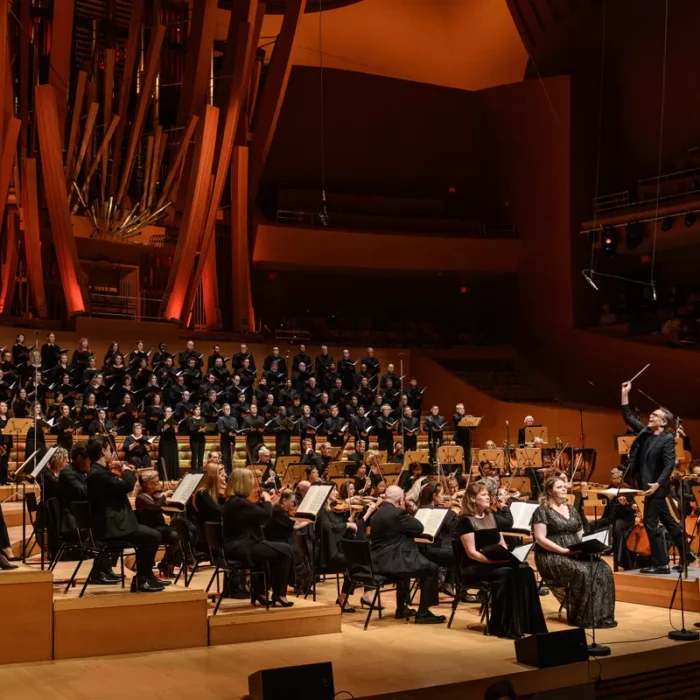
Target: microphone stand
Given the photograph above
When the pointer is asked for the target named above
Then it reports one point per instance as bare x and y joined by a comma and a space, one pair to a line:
403, 427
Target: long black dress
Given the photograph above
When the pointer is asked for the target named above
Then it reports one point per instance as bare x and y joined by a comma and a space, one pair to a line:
586, 588
6, 444
516, 608
167, 450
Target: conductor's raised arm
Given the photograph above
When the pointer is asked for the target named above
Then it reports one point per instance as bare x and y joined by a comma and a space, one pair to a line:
627, 414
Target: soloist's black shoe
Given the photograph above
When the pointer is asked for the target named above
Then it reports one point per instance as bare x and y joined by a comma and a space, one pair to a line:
103, 578
428, 618
655, 570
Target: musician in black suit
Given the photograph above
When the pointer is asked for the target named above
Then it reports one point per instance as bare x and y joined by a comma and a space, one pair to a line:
463, 435
652, 459
301, 357
410, 428
395, 554
527, 423
113, 518
334, 427
385, 426
244, 517
226, 426
434, 424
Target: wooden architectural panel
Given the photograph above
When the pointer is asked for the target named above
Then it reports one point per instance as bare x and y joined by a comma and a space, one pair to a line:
273, 92
107, 114
171, 179
59, 68
195, 212
32, 238
243, 316
7, 162
55, 189
9, 265
75, 124
86, 140
4, 67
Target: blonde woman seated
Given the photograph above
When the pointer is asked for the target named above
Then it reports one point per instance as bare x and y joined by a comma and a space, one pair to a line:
245, 514
516, 608
586, 588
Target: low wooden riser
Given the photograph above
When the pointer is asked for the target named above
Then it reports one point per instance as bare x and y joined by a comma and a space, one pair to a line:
656, 590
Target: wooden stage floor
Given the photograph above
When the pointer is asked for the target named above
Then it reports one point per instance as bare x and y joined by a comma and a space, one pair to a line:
391, 659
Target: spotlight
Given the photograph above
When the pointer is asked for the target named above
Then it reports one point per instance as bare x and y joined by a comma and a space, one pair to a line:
588, 276
635, 235
610, 240
667, 224
689, 219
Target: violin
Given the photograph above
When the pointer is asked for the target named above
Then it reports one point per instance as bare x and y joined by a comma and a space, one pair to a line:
347, 506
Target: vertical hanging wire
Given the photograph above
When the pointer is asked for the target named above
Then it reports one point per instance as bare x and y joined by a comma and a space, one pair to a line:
323, 214
661, 145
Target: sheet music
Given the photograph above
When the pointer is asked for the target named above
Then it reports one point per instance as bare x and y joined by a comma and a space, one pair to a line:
522, 512
315, 497
613, 492
186, 488
603, 536
45, 460
431, 519
521, 553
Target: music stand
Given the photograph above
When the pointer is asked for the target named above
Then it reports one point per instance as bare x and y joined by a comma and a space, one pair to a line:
470, 422
451, 454
414, 456
337, 469
624, 443
495, 457
17, 426
293, 475
529, 457
535, 431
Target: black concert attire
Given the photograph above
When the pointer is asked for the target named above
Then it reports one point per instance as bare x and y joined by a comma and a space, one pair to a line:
385, 434
652, 460
139, 456
463, 438
332, 529
239, 358
65, 428
149, 512
410, 429
282, 429
226, 427
333, 429
113, 518
200, 509
5, 449
35, 440
298, 359
307, 427
515, 608
434, 426
168, 449
244, 541
196, 428
183, 359
395, 554
622, 519
50, 354
153, 418
322, 364
254, 437
281, 363
280, 528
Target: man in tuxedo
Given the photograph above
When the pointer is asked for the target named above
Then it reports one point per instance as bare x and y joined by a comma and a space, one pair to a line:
652, 459
239, 357
372, 363
113, 518
322, 363
301, 357
395, 554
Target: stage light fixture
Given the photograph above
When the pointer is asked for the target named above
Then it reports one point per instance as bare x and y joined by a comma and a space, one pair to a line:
610, 240
634, 235
667, 224
689, 219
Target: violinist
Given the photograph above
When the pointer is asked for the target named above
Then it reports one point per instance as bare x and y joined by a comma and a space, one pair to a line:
270, 480
206, 502
363, 481
332, 528
398, 456
356, 458
411, 475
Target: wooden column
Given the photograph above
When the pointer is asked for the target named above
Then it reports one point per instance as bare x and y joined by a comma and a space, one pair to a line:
7, 162
243, 314
9, 267
195, 212
273, 92
242, 36
4, 67
59, 69
55, 189
32, 240
210, 290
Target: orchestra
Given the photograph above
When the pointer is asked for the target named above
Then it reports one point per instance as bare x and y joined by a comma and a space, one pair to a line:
120, 424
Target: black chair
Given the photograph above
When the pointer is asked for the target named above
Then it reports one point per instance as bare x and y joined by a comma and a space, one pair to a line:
30, 503
462, 584
188, 553
310, 554
81, 513
215, 539
53, 515
361, 573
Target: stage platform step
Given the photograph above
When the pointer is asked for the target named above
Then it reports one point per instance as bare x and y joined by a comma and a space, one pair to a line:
633, 587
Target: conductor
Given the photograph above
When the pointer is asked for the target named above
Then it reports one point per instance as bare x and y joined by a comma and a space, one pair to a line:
652, 459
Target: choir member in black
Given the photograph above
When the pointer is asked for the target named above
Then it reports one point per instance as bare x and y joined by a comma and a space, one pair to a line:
246, 512
434, 424
87, 412
390, 395
167, 445
211, 408
206, 502
360, 424
395, 554
184, 408
65, 427
111, 354
527, 423
275, 357
392, 377
385, 427
33, 368
8, 384
282, 528
102, 426
220, 371
274, 377
300, 378
192, 375
81, 355
112, 517
269, 410
20, 352
261, 391
240, 357
322, 363
254, 426
149, 512
197, 426
247, 375
35, 437
311, 394
126, 415
237, 390
652, 460
226, 426
335, 523
212, 384
462, 435
183, 357
410, 427
154, 415
5, 443
330, 377
240, 409
295, 410
20, 406
161, 356
50, 352
334, 428
301, 357
372, 364
346, 370
515, 606
337, 395
376, 409
216, 355
287, 394
308, 425
136, 448
282, 430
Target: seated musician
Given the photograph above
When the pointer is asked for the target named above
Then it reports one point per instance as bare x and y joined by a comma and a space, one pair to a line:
322, 462
245, 514
270, 480
362, 483
516, 608
395, 554
112, 517
136, 448
337, 521
356, 458
411, 475
283, 528
300, 492
500, 503
398, 456
149, 512
556, 526
527, 423
206, 502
